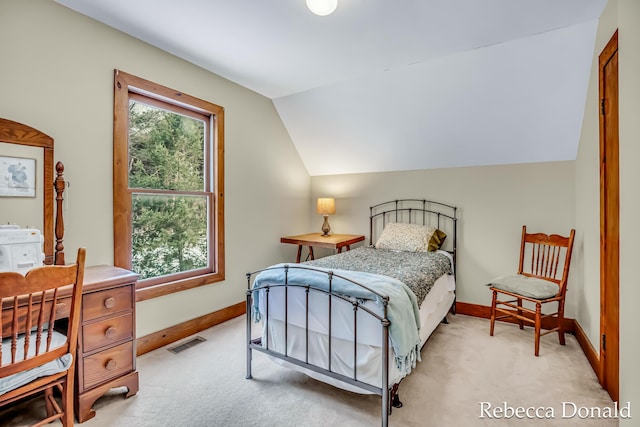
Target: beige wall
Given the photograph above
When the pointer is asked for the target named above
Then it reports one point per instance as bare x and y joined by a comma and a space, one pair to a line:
494, 202
623, 15
629, 51
57, 76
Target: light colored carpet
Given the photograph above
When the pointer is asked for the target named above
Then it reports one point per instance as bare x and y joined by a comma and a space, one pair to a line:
461, 367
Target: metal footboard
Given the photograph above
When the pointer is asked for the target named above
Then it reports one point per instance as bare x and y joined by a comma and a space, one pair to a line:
358, 306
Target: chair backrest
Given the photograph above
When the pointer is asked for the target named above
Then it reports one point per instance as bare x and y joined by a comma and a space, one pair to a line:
31, 304
546, 256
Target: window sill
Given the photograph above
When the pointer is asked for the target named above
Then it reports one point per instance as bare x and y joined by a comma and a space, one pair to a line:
154, 291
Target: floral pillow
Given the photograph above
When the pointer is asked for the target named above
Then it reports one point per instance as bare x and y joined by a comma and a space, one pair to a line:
410, 237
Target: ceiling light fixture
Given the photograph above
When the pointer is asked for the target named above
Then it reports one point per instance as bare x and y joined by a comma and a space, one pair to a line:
322, 7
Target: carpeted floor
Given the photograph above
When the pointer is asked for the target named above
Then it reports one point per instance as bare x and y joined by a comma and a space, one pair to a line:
461, 368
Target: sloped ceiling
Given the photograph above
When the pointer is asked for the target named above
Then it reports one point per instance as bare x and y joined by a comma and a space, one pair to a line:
381, 85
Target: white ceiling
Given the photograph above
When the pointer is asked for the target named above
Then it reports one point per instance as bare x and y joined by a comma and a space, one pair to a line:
381, 85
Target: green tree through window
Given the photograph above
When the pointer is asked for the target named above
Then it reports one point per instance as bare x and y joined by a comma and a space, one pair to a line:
166, 152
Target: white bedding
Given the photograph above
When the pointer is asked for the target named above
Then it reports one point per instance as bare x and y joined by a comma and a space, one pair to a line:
369, 332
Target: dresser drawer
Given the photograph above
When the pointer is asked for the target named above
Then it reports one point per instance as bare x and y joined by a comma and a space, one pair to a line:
104, 303
106, 332
108, 364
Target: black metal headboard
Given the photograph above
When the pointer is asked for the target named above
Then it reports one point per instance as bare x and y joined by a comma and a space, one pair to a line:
416, 211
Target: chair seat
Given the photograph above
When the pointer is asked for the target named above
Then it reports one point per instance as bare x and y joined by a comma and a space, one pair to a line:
58, 365
530, 287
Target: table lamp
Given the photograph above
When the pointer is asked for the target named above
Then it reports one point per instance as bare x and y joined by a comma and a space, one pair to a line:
326, 206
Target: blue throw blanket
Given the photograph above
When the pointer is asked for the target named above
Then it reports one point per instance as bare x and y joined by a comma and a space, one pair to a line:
402, 309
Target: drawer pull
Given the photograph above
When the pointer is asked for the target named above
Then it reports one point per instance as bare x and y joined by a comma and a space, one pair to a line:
110, 365
109, 302
110, 332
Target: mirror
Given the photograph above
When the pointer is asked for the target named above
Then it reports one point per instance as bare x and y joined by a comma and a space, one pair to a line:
32, 140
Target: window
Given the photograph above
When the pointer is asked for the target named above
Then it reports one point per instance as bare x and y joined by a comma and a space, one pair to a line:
168, 192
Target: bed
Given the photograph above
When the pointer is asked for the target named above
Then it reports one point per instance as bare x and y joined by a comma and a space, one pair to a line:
375, 305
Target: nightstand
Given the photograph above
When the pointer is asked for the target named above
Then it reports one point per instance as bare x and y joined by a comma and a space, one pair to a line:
332, 241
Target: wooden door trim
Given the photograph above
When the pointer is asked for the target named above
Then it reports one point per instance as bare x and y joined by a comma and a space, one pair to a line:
605, 56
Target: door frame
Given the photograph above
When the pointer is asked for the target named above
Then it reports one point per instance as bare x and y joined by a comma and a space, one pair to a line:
609, 271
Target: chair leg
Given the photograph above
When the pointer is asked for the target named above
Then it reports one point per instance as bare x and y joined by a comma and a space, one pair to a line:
561, 323
493, 312
520, 321
48, 396
67, 403
538, 325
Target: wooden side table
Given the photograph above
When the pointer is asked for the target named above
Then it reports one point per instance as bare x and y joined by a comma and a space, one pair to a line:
332, 241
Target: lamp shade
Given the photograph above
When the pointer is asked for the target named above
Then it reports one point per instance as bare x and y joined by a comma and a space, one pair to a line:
326, 206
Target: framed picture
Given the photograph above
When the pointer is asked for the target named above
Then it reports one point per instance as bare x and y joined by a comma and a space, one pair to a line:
17, 177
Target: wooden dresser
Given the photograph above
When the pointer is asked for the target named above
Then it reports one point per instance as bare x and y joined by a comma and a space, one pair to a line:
106, 340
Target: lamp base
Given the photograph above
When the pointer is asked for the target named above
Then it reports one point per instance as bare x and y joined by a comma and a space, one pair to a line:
326, 228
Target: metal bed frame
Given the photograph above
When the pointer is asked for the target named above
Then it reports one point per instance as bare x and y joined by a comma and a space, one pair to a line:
402, 210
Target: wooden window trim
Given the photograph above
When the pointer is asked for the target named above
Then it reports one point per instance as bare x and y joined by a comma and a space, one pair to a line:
124, 84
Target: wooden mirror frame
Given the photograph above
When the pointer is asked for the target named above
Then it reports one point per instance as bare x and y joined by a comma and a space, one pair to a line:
18, 133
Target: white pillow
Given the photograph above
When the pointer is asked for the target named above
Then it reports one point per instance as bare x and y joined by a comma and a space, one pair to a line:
405, 237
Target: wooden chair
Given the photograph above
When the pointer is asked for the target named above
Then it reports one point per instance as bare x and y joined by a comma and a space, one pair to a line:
35, 357
538, 281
